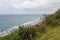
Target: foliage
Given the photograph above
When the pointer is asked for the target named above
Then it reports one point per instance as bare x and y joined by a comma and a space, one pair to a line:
54, 19
26, 33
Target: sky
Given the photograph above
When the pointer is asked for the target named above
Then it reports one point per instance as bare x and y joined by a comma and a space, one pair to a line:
28, 6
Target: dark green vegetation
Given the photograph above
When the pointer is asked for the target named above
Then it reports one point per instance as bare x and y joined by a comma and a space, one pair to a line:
48, 29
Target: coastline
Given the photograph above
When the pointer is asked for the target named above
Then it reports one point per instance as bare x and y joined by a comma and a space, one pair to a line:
34, 22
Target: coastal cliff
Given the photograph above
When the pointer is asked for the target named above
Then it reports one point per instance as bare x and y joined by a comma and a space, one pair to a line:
48, 29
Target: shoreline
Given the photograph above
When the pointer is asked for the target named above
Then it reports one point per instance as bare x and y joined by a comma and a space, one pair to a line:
34, 22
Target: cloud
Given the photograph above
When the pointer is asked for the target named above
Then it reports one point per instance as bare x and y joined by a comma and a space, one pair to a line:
28, 6
21, 4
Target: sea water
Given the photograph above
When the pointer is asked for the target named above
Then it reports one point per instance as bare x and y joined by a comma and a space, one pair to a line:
9, 21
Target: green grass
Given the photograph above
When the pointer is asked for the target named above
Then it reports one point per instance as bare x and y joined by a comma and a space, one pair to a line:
13, 36
52, 34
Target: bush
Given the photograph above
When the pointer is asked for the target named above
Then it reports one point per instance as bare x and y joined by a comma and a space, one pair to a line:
26, 33
54, 19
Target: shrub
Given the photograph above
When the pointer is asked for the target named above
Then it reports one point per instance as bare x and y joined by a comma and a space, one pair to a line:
26, 33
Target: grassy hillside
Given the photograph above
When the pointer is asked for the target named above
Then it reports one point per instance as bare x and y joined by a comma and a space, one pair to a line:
52, 27
48, 29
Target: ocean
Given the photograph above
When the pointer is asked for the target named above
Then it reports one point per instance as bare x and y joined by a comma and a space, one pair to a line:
9, 21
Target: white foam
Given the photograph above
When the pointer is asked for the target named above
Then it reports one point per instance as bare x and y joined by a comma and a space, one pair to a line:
4, 33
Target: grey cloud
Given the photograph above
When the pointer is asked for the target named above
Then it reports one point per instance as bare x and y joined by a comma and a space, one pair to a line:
28, 6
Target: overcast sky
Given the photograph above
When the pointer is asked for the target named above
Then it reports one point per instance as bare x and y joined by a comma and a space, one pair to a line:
28, 6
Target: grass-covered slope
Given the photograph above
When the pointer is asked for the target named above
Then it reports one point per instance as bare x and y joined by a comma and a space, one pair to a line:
48, 29
53, 19
52, 27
